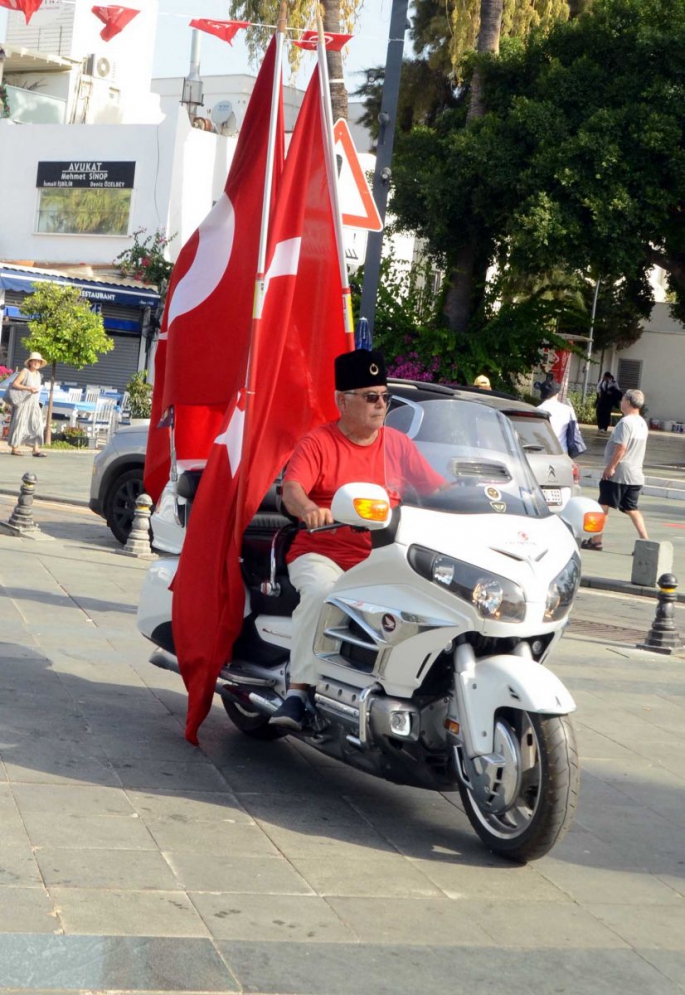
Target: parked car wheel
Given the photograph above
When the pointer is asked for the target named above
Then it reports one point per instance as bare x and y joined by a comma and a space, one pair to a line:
120, 502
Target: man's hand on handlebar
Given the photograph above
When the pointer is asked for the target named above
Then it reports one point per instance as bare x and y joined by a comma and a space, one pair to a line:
314, 517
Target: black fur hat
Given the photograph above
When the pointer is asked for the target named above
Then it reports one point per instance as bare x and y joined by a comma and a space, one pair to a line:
361, 368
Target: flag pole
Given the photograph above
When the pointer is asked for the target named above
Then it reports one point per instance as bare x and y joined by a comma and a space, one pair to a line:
259, 291
329, 149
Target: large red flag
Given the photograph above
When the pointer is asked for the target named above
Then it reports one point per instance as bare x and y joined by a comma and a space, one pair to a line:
202, 350
115, 19
226, 30
27, 7
300, 331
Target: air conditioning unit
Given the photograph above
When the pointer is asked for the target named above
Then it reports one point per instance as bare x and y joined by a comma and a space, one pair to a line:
100, 67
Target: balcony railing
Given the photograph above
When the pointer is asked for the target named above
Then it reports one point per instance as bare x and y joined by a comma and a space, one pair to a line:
29, 107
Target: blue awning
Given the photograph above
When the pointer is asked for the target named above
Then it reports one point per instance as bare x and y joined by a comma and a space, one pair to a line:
20, 281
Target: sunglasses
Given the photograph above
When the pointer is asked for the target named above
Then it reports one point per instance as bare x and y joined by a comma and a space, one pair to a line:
370, 396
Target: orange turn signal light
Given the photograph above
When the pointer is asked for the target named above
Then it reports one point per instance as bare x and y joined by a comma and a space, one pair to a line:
452, 726
593, 521
371, 509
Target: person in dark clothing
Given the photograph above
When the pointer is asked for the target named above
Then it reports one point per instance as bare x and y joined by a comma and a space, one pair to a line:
608, 397
545, 387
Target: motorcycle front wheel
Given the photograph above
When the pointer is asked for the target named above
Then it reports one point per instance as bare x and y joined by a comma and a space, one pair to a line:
546, 795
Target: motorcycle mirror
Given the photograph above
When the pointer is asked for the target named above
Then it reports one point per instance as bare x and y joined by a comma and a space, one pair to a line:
361, 504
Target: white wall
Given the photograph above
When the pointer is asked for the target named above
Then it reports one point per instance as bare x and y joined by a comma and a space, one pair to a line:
661, 350
236, 88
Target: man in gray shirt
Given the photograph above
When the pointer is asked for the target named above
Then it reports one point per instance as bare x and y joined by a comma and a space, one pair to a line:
624, 455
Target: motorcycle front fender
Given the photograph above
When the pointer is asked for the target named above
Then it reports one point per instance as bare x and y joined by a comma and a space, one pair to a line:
507, 681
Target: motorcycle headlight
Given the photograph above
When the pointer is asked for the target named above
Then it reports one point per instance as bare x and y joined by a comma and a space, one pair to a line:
494, 597
562, 590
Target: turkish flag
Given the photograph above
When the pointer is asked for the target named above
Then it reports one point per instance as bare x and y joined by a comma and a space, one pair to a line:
226, 30
27, 7
201, 357
332, 42
115, 19
295, 340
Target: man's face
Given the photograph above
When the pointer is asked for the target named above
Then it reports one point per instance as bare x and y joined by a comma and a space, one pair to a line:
360, 414
626, 407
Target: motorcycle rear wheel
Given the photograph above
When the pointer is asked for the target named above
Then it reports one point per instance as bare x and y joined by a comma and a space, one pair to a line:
548, 794
250, 722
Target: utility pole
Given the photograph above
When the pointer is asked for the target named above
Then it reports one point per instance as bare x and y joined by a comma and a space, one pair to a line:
383, 172
590, 340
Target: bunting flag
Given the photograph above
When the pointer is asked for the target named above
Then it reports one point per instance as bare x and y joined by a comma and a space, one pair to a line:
27, 7
115, 19
298, 330
226, 30
203, 344
333, 42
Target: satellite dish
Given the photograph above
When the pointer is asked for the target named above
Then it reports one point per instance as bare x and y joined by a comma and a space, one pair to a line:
223, 117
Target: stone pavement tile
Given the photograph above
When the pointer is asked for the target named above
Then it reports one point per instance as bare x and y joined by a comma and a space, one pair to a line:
27, 910
270, 917
127, 913
501, 882
670, 963
417, 921
660, 792
542, 924
337, 841
626, 827
238, 875
676, 881
283, 968
161, 745
88, 832
661, 927
18, 866
196, 776
71, 800
377, 875
189, 806
307, 812
44, 767
592, 744
132, 870
598, 885
12, 829
211, 838
112, 963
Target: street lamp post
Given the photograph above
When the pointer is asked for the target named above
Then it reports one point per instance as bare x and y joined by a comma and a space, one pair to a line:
590, 340
383, 171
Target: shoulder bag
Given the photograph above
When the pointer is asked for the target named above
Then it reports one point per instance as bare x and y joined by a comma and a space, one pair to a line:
575, 443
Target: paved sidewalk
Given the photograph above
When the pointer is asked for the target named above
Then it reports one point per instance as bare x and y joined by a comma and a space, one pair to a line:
133, 862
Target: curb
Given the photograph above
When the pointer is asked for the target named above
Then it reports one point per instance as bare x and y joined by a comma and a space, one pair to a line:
673, 490
625, 587
80, 502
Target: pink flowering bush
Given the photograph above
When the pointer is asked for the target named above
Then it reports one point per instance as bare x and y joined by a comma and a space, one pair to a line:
145, 260
5, 371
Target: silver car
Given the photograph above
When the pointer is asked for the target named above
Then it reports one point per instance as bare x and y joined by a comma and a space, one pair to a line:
118, 468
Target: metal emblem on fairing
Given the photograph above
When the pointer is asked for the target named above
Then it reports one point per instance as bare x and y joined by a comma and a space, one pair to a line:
389, 623
498, 506
493, 494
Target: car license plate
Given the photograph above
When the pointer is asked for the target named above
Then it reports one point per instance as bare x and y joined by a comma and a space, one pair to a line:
552, 495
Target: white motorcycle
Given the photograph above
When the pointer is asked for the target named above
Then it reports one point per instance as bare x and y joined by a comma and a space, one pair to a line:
432, 650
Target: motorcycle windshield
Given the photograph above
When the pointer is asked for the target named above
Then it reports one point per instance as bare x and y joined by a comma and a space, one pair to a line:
476, 450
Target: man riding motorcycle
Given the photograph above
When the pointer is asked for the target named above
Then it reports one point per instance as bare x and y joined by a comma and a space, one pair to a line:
355, 447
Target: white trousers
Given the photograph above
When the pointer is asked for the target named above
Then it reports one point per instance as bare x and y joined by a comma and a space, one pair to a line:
312, 576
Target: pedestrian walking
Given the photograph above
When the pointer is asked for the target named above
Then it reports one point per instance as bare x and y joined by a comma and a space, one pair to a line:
622, 479
561, 414
545, 385
26, 424
608, 397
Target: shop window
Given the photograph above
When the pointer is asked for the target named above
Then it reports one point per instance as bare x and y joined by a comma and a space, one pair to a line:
83, 211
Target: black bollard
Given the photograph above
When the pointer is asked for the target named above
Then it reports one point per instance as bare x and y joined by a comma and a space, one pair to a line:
663, 636
21, 519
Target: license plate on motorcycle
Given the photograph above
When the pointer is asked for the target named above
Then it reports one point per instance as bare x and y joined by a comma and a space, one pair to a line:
552, 495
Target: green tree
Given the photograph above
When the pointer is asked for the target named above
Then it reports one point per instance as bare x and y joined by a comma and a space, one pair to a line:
64, 329
338, 15
577, 165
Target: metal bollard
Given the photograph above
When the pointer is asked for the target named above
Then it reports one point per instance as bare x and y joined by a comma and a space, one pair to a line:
663, 636
138, 542
21, 520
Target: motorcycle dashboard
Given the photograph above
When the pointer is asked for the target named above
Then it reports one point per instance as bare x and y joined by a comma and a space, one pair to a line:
476, 450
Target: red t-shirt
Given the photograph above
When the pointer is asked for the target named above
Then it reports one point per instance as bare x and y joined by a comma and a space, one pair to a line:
326, 459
